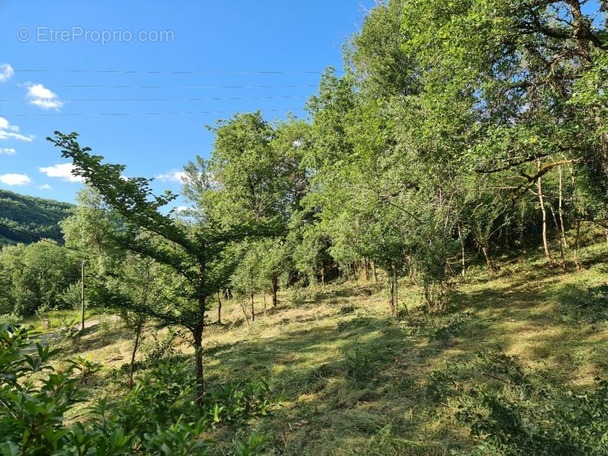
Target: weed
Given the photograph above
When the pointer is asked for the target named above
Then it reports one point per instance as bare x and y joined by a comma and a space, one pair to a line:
161, 348
387, 443
524, 414
361, 366
356, 323
440, 385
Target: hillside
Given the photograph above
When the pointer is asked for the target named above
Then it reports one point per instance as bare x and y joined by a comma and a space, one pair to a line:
27, 219
345, 378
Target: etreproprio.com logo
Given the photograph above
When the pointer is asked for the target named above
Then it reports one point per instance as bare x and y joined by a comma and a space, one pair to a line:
45, 34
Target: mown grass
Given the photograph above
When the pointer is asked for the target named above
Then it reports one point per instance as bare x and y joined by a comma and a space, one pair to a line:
349, 380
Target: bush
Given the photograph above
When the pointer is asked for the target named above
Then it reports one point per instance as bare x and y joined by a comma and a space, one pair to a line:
157, 417
10, 320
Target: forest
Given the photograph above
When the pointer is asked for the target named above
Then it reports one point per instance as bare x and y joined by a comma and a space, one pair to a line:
26, 219
369, 280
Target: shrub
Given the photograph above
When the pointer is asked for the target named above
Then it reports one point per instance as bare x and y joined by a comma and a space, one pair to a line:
157, 417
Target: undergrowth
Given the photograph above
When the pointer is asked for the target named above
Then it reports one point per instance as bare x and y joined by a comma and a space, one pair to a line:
512, 367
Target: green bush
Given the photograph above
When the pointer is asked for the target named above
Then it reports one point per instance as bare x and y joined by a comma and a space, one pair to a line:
157, 417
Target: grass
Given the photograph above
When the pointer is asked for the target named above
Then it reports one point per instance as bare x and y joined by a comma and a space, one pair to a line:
349, 380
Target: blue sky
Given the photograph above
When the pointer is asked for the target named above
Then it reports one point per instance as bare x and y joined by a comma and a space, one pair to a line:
140, 80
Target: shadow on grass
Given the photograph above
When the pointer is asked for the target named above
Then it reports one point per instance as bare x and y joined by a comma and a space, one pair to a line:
97, 337
330, 293
338, 382
581, 304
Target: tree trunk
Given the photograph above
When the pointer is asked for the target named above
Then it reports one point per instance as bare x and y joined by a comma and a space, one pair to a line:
275, 288
197, 334
462, 252
242, 304
539, 186
138, 329
366, 269
374, 272
486, 254
577, 263
562, 251
561, 208
219, 308
264, 300
252, 308
396, 288
396, 308
392, 295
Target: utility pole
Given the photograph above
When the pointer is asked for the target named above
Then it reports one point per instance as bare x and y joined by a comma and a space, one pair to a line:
82, 291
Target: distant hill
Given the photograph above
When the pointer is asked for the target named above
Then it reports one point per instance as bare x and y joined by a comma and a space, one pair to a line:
27, 219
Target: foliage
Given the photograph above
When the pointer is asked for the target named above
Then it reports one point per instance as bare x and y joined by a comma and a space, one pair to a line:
26, 219
157, 417
33, 409
526, 415
35, 276
199, 254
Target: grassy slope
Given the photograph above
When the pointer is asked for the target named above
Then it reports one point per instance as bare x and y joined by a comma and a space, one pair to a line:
351, 381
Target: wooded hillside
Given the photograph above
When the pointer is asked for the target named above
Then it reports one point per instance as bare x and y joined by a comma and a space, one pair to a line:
28, 219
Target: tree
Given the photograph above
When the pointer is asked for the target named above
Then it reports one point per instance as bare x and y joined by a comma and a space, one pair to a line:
196, 252
137, 286
36, 276
256, 170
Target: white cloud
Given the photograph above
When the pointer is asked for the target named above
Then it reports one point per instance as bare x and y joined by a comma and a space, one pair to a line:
7, 151
15, 179
40, 96
6, 72
62, 171
173, 176
46, 187
8, 131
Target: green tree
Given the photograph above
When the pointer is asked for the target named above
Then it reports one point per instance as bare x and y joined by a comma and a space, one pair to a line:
256, 168
36, 275
196, 252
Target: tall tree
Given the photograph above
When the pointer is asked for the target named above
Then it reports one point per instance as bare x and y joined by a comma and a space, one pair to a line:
195, 252
256, 168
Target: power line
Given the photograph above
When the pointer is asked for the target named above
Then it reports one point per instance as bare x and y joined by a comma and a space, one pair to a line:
205, 87
171, 72
137, 100
155, 113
